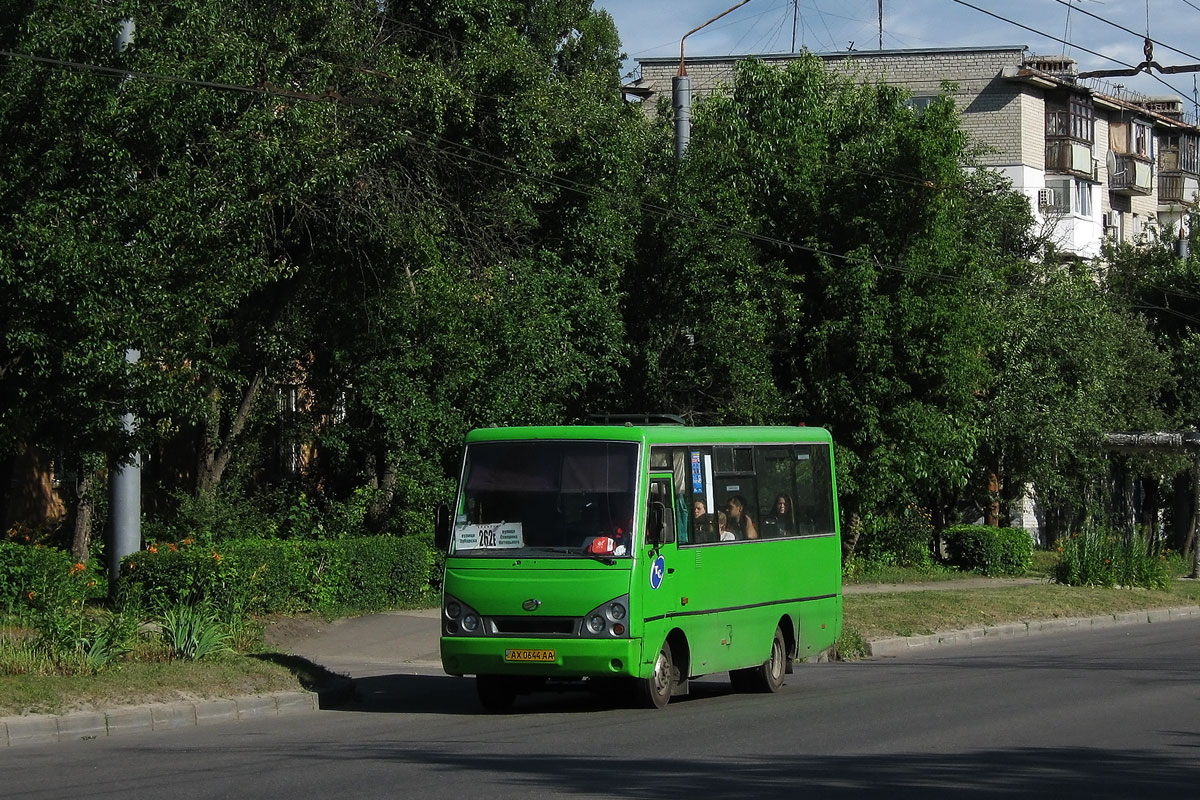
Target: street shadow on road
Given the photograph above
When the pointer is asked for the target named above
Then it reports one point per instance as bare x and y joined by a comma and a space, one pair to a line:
444, 694
1062, 773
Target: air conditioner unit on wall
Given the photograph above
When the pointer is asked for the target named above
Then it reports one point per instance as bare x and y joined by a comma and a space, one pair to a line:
1045, 198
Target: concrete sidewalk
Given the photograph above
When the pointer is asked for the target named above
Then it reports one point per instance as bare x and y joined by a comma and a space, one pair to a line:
406, 642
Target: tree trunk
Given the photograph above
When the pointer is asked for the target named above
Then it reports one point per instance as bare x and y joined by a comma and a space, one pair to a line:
1191, 537
81, 541
381, 503
991, 515
214, 459
855, 526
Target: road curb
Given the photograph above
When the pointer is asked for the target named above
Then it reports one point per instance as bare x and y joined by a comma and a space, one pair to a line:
900, 645
84, 725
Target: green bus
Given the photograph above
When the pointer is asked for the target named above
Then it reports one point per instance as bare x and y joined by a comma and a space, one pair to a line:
652, 553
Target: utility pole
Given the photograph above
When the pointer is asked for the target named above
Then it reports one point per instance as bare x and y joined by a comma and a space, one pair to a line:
880, 24
126, 484
681, 91
795, 17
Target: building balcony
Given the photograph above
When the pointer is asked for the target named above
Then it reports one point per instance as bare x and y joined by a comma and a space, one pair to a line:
1069, 156
1129, 175
1178, 187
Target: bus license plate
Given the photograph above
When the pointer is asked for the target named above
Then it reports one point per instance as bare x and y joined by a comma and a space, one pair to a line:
514, 654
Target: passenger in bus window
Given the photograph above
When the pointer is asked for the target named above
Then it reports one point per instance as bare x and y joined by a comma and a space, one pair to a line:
782, 521
723, 526
703, 529
740, 522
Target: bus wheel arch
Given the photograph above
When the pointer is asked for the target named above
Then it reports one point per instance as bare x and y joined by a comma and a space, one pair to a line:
669, 675
768, 676
790, 640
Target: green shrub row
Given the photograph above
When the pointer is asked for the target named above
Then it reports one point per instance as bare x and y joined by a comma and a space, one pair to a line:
988, 550
272, 575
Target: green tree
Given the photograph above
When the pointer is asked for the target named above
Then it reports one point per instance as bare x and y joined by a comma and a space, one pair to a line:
815, 267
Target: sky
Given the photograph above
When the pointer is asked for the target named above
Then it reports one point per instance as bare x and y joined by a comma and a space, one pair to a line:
653, 28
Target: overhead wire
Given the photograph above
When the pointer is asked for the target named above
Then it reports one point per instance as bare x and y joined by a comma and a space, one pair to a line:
1118, 26
1064, 41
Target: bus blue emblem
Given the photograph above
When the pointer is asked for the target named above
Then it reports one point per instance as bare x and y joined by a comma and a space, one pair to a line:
657, 570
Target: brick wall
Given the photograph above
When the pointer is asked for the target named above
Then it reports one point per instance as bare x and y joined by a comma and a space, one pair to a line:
998, 114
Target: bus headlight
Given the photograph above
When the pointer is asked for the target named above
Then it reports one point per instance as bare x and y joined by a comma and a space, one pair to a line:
458, 618
608, 620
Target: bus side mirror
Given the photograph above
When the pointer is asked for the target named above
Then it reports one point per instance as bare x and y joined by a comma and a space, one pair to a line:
441, 526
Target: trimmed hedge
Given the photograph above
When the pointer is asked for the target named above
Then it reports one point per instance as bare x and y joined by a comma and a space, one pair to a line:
273, 575
991, 551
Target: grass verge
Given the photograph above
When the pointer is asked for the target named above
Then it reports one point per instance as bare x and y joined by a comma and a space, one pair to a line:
137, 682
912, 613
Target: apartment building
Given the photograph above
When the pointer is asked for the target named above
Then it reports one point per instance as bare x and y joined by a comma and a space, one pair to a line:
1093, 159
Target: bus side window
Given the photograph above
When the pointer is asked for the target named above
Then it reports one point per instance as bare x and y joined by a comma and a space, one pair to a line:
661, 511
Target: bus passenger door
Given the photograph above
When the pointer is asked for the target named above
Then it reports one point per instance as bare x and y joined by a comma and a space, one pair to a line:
661, 550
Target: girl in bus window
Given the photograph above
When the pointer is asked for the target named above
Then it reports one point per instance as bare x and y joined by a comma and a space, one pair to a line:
740, 521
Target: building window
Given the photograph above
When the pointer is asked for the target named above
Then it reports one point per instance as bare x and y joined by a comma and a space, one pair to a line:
1180, 152
1083, 198
1141, 139
1076, 120
918, 103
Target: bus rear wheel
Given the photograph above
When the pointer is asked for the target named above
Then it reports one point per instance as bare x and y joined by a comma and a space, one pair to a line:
767, 676
496, 692
656, 690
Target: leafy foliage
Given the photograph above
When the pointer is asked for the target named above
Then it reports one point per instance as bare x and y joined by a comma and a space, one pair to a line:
269, 576
989, 550
1097, 557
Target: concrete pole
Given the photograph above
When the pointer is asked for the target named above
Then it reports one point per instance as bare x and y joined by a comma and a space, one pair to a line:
681, 90
125, 486
126, 500
681, 100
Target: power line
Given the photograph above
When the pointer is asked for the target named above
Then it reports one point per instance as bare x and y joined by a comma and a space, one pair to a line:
1064, 41
1042, 33
1127, 30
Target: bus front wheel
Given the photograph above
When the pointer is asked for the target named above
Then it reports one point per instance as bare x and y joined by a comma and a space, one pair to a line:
496, 692
656, 690
767, 676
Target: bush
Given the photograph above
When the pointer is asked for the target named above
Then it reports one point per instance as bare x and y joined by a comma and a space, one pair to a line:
1096, 557
36, 579
897, 540
988, 550
271, 576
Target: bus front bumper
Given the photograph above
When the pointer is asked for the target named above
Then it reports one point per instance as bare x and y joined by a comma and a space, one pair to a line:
549, 658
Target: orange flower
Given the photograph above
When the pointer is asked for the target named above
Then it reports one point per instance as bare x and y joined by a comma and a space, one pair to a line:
78, 567
174, 548
216, 556
32, 594
152, 549
189, 540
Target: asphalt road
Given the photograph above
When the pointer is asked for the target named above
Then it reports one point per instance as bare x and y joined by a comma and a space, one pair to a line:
1111, 713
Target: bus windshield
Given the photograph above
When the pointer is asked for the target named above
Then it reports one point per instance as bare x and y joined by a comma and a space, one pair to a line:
563, 499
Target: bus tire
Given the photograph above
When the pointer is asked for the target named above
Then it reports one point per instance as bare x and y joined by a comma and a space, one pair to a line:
656, 690
767, 676
496, 692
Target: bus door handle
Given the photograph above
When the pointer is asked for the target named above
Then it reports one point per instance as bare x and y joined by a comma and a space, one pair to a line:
670, 570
